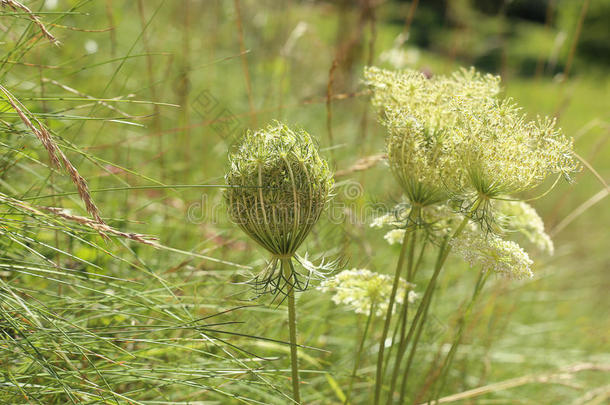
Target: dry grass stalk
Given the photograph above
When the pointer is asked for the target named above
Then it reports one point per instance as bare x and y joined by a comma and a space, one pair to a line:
562, 374
58, 158
102, 228
15, 5
244, 60
81, 94
575, 38
364, 163
329, 112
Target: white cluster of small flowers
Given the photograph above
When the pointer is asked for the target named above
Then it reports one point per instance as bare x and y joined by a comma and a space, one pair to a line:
395, 219
360, 289
383, 221
493, 253
438, 219
456, 148
395, 236
521, 217
476, 247
454, 137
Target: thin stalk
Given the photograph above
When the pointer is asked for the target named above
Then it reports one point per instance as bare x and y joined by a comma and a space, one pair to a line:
483, 276
404, 311
397, 329
402, 325
404, 315
152, 88
359, 353
420, 258
422, 310
244, 61
287, 269
420, 327
388, 317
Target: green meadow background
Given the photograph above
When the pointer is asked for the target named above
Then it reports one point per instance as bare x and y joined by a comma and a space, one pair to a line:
146, 98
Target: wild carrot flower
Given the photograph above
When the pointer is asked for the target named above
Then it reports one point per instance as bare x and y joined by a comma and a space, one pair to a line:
415, 111
499, 152
453, 137
492, 253
278, 186
361, 289
520, 217
455, 147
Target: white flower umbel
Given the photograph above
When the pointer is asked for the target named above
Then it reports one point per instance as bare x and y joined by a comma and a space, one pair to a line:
395, 236
360, 289
418, 116
454, 137
492, 253
518, 216
499, 152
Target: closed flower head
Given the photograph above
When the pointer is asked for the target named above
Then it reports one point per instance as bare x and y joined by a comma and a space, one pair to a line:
277, 189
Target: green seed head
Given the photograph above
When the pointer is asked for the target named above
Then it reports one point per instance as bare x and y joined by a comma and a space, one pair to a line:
278, 187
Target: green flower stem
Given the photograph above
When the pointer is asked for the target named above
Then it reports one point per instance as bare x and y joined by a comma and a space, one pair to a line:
402, 325
420, 327
483, 276
404, 315
420, 258
388, 317
422, 310
287, 269
404, 311
359, 353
